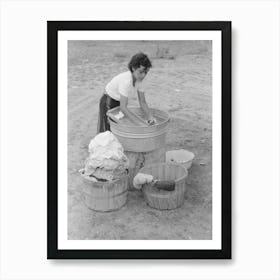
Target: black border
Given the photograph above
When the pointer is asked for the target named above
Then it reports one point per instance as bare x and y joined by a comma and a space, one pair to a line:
52, 80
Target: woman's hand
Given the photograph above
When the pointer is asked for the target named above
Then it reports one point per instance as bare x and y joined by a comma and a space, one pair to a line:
151, 121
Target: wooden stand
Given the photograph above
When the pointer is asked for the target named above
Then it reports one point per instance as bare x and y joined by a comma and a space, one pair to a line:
138, 160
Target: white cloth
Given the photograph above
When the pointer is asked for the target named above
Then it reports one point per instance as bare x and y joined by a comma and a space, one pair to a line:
105, 145
122, 84
119, 116
141, 179
106, 157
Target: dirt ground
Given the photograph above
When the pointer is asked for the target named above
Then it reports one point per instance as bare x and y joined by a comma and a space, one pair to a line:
180, 83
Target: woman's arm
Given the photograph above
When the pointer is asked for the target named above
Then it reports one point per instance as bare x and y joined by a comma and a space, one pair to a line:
126, 112
144, 106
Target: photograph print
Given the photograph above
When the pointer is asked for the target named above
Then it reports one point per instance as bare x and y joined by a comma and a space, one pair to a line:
139, 140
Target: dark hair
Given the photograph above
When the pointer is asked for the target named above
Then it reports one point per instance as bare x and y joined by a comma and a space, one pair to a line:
139, 59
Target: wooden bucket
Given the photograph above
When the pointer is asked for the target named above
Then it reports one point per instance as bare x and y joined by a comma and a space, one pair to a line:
105, 196
139, 137
161, 199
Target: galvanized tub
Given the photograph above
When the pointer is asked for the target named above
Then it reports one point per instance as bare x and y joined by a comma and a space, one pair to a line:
140, 138
182, 157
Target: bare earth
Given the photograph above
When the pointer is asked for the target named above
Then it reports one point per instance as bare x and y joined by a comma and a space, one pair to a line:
180, 83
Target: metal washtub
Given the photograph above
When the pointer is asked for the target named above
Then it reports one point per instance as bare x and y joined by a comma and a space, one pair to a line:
139, 137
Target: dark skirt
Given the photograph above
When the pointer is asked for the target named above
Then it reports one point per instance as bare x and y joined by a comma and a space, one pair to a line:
106, 103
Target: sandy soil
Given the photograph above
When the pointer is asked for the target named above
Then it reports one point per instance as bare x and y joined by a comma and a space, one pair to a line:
180, 83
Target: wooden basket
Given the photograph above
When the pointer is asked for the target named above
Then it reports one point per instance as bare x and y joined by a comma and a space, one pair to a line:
105, 196
161, 199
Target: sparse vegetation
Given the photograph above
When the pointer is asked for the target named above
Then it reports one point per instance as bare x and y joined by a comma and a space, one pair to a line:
120, 55
163, 53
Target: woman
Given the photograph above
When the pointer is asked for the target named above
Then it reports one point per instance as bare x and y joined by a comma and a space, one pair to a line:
123, 86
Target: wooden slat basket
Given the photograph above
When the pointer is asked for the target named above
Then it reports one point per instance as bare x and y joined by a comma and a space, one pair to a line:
105, 196
161, 199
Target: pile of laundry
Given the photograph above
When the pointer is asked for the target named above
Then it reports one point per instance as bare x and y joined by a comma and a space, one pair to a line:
106, 160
